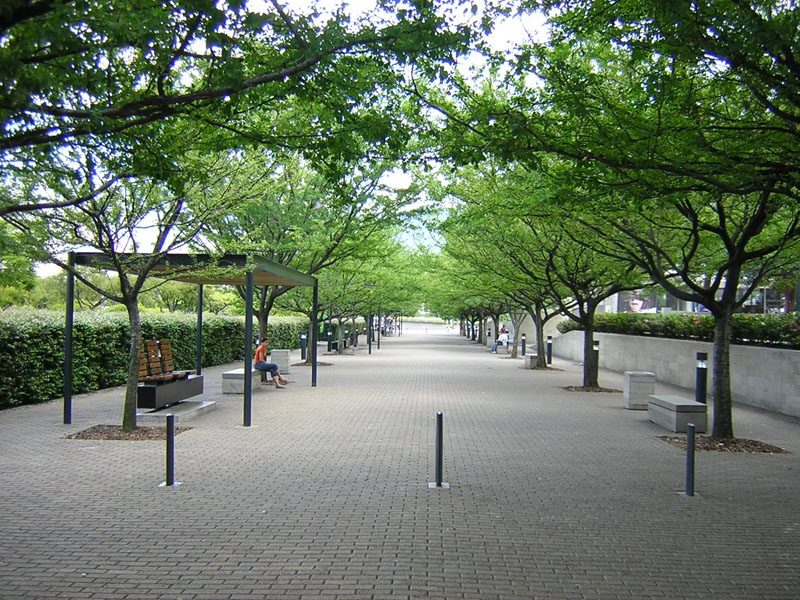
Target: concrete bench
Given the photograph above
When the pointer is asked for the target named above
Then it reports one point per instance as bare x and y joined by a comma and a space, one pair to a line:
233, 381
530, 360
639, 386
282, 358
675, 413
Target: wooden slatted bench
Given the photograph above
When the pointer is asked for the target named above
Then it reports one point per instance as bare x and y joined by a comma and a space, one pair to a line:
160, 384
676, 412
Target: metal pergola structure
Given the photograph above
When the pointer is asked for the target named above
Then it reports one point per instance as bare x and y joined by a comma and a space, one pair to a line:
200, 269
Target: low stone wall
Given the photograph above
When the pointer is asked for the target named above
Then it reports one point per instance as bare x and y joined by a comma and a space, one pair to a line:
763, 377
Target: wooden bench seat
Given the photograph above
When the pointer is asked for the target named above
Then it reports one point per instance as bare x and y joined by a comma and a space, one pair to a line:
160, 384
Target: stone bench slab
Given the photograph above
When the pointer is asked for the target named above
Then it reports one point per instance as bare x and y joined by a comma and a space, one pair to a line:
233, 381
675, 413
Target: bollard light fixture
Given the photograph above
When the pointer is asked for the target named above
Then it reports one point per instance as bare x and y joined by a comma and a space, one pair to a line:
701, 378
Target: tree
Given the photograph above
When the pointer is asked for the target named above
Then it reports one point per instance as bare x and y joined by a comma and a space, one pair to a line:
16, 267
675, 186
176, 296
670, 121
71, 73
510, 221
302, 219
142, 217
387, 279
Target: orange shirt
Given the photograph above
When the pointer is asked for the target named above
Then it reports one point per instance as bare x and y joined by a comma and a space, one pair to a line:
261, 354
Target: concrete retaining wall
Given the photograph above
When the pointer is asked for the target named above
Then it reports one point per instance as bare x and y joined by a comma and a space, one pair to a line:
763, 377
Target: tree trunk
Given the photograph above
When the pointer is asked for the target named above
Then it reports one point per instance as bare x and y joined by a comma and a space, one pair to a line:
517, 319
541, 350
129, 407
722, 426
590, 379
340, 336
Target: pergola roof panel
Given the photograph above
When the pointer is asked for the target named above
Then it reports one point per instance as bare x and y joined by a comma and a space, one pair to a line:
226, 269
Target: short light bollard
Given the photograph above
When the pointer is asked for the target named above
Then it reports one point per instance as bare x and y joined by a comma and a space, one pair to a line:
303, 346
690, 459
439, 457
701, 380
549, 349
170, 430
523, 344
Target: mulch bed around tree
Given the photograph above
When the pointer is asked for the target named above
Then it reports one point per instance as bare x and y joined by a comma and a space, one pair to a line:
115, 433
580, 388
708, 444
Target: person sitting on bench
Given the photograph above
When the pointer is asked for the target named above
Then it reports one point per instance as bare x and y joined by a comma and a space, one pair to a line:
260, 363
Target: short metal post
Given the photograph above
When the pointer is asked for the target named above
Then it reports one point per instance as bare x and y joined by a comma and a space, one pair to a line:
701, 381
439, 457
690, 459
596, 350
170, 430
303, 346
329, 333
523, 344
549, 349
439, 448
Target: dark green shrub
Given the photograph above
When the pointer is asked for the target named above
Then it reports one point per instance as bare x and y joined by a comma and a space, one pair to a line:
32, 348
778, 330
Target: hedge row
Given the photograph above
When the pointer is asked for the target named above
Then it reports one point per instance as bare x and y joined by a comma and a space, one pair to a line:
778, 330
32, 348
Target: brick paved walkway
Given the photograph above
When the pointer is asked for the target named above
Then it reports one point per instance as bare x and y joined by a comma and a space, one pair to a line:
553, 494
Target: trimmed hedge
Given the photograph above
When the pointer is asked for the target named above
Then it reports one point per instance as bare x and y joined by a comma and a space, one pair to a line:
775, 330
32, 348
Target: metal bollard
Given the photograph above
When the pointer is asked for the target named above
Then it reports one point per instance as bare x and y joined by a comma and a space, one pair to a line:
170, 431
701, 379
549, 349
439, 458
329, 333
303, 346
690, 459
523, 344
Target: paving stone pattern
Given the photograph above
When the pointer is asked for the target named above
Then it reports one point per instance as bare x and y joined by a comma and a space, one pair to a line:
554, 494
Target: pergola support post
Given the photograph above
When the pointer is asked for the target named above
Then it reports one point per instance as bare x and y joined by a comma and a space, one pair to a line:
198, 352
68, 329
248, 352
314, 325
